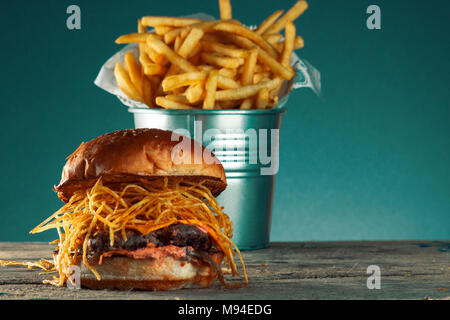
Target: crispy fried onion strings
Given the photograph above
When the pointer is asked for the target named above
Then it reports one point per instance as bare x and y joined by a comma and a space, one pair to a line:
145, 207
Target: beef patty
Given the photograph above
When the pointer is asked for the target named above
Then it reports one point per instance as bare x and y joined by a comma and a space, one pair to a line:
180, 235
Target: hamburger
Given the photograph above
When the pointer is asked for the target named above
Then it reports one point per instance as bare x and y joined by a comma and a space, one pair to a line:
134, 218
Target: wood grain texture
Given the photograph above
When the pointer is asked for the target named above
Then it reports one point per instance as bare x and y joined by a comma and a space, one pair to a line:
290, 270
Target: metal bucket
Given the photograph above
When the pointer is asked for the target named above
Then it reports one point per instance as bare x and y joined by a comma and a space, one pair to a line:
248, 198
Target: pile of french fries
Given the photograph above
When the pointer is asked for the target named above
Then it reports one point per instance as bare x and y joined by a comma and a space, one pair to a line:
187, 63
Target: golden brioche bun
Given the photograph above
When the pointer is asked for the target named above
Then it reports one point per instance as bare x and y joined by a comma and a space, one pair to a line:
135, 155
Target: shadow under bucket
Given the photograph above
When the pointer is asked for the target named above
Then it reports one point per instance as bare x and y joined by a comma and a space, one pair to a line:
246, 142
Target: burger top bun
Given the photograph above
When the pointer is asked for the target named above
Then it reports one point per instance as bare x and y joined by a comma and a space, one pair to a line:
140, 155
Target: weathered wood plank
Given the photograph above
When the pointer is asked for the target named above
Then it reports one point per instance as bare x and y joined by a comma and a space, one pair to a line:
300, 270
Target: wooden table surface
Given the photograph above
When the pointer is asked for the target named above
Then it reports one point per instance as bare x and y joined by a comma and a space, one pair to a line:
289, 270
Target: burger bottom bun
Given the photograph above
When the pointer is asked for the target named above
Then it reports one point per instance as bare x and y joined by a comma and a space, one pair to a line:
165, 273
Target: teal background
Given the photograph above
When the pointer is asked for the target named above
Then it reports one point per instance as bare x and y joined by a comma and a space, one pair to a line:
368, 160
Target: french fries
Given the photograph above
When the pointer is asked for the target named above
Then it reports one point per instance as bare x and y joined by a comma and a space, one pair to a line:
249, 34
249, 67
125, 84
263, 98
186, 63
225, 9
181, 80
246, 91
190, 43
171, 104
273, 38
277, 68
221, 61
151, 69
211, 87
167, 21
195, 92
147, 91
171, 55
247, 103
226, 83
289, 42
291, 15
224, 49
266, 24
135, 72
